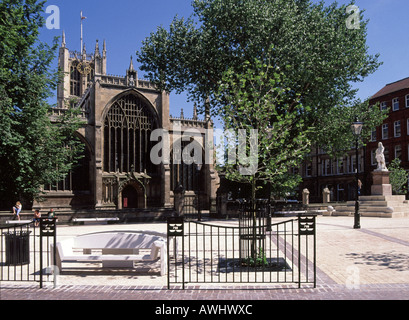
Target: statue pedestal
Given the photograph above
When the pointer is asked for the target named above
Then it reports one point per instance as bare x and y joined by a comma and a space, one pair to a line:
381, 185
380, 204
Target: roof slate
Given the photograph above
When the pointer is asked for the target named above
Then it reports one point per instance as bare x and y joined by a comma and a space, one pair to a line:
392, 87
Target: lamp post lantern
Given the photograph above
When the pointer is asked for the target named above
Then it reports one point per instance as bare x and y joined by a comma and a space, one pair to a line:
356, 128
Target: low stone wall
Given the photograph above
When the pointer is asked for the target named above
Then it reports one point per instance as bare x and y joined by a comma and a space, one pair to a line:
125, 216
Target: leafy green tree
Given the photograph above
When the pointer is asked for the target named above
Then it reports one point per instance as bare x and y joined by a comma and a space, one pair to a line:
398, 177
33, 151
326, 57
317, 56
257, 99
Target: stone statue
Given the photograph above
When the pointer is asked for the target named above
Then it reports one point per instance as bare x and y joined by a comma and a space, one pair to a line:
380, 158
132, 81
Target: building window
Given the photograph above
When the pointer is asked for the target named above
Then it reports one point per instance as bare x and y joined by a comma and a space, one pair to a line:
340, 166
127, 128
184, 173
75, 80
398, 152
373, 158
333, 166
383, 106
407, 101
385, 131
397, 129
308, 169
373, 135
328, 167
351, 164
395, 104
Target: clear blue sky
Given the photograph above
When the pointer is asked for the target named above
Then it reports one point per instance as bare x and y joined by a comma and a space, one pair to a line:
125, 23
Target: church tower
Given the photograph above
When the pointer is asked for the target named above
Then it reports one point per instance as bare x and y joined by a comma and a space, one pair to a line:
79, 70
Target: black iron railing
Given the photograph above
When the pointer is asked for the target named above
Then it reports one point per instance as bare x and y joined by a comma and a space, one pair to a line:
25, 251
282, 252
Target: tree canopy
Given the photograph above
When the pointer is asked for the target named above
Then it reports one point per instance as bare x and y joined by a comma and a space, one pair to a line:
316, 58
326, 57
257, 107
33, 151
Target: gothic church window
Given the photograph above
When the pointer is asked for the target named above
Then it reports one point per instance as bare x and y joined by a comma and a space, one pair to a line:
90, 76
127, 129
185, 174
75, 80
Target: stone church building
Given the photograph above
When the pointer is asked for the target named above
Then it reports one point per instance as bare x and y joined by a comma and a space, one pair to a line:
119, 115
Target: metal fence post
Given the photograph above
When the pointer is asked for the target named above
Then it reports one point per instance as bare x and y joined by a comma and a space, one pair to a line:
47, 229
175, 229
307, 227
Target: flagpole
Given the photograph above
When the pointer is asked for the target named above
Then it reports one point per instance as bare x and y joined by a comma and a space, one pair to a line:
81, 34
82, 18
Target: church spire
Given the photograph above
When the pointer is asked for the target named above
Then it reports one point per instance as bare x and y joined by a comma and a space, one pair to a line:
97, 53
131, 68
131, 75
194, 112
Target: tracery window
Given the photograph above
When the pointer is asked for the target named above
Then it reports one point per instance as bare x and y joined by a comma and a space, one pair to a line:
91, 75
75, 80
127, 129
186, 174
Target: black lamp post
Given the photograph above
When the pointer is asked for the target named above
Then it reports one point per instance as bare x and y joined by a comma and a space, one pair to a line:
356, 128
199, 211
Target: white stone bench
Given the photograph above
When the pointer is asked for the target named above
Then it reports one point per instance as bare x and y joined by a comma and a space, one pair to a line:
117, 249
18, 221
95, 220
300, 212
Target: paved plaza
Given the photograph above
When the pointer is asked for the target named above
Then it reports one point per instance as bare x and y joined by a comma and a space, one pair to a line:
371, 263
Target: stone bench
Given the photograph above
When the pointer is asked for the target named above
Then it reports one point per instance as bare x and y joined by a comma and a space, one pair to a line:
300, 212
115, 249
18, 221
95, 220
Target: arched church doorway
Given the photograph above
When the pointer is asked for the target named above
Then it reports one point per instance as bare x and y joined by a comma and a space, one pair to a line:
130, 197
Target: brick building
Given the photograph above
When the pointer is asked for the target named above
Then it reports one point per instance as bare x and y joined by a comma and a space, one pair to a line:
394, 132
319, 171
